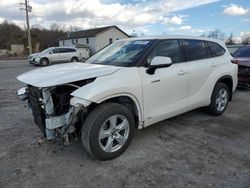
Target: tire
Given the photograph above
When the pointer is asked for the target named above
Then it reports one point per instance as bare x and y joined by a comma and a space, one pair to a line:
219, 99
74, 59
98, 131
44, 62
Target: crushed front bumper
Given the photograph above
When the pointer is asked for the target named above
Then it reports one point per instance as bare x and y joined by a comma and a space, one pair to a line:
41, 104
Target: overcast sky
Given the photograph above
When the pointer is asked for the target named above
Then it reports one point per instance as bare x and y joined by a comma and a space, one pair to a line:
151, 17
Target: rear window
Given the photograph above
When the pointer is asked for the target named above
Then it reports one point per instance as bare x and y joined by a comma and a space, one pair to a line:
215, 49
242, 52
195, 50
68, 50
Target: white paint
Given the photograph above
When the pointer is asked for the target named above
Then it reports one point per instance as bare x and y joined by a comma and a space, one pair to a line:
64, 73
170, 91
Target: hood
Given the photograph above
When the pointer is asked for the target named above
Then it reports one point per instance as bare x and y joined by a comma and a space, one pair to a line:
242, 61
65, 73
35, 54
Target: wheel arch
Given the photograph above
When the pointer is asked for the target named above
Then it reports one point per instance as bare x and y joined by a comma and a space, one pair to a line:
228, 80
45, 58
74, 57
126, 99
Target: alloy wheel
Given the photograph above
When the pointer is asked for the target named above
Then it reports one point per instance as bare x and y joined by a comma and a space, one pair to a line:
221, 99
114, 133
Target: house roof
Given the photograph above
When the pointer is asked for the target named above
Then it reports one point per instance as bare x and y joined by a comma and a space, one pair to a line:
91, 32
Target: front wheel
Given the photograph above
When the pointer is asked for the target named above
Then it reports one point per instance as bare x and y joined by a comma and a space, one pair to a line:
44, 62
219, 99
108, 131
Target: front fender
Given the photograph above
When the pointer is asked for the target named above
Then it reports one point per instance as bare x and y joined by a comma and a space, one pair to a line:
125, 82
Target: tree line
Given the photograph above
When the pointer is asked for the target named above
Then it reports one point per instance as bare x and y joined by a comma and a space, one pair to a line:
13, 34
10, 33
229, 40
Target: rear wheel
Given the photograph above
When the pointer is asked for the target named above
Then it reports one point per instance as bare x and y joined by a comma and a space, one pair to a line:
44, 62
219, 99
74, 59
108, 131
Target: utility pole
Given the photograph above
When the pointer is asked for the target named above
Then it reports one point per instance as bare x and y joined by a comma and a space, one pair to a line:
27, 8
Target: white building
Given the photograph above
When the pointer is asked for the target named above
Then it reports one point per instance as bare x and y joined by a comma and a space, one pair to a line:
96, 38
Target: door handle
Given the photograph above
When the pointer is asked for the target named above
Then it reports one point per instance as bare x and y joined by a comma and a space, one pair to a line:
213, 65
155, 81
182, 72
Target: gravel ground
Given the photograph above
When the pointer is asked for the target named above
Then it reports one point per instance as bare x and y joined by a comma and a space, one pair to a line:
191, 150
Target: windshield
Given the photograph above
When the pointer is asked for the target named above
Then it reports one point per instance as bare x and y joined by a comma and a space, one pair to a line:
121, 53
242, 52
46, 50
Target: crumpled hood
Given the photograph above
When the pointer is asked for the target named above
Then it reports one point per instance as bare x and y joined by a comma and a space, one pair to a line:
65, 73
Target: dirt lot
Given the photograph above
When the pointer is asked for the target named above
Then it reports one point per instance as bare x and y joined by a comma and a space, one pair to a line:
191, 150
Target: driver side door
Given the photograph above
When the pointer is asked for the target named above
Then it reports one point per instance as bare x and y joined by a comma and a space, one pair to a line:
165, 92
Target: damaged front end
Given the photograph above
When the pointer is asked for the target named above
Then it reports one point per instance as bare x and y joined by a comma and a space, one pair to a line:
55, 111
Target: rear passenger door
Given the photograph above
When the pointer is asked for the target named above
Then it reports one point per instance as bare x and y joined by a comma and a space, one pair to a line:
68, 54
200, 68
65, 55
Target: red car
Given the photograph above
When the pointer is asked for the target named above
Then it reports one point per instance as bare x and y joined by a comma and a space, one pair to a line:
242, 58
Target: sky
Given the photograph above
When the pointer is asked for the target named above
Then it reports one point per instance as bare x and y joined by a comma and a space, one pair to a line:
144, 17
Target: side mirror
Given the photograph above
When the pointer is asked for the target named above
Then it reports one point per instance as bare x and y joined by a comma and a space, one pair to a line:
51, 52
158, 62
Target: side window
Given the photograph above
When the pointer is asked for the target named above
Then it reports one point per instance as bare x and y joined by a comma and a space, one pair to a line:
56, 51
215, 49
68, 50
195, 50
110, 40
168, 48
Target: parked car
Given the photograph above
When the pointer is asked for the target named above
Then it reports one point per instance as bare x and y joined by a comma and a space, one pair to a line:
232, 48
242, 58
55, 55
132, 83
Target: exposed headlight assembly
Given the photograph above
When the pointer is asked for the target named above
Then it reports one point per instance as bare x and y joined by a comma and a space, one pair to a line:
22, 93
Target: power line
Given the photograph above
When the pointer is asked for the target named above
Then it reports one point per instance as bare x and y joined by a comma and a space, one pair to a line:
27, 8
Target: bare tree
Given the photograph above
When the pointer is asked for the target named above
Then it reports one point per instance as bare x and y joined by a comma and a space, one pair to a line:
55, 27
13, 34
246, 38
10, 34
230, 40
217, 34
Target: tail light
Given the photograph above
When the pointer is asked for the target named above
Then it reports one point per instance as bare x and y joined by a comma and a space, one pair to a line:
235, 61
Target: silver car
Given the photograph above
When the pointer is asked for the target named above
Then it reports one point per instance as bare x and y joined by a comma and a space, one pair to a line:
55, 55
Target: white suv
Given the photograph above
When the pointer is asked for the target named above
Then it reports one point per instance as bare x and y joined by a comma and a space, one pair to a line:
54, 55
132, 83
